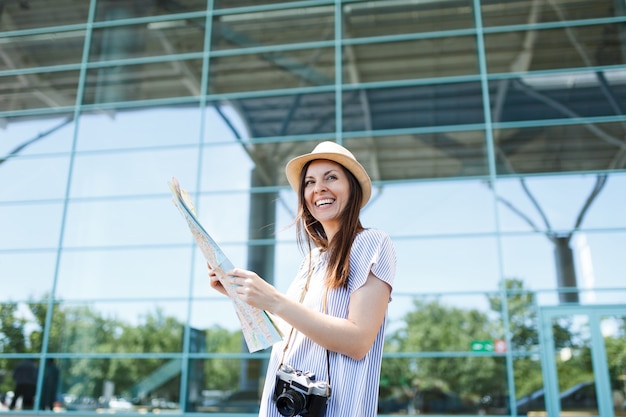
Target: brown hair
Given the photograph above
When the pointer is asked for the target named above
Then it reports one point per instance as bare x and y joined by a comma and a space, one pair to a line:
310, 230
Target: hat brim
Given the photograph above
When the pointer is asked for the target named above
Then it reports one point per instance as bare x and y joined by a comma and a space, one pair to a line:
295, 166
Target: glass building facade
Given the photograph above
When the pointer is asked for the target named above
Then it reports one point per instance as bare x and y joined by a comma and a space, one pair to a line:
494, 132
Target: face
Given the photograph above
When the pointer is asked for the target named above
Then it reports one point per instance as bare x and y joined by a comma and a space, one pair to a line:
326, 192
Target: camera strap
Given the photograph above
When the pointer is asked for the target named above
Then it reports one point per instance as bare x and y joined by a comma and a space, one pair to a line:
305, 289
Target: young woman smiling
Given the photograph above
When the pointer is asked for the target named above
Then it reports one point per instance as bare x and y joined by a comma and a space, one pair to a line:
333, 314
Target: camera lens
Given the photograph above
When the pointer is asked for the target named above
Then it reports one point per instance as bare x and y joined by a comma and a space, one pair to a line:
290, 403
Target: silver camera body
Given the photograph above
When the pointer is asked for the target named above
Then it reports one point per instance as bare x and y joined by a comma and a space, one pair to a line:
298, 393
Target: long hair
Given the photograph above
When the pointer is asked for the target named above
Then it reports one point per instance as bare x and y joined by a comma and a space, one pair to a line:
309, 230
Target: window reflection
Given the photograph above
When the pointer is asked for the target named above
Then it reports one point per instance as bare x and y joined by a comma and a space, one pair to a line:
34, 178
160, 127
119, 385
30, 226
124, 222
139, 326
442, 386
117, 174
265, 28
124, 274
24, 137
364, 19
27, 275
141, 40
134, 82
419, 62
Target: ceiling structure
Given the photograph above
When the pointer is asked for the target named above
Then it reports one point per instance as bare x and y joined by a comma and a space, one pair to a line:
412, 98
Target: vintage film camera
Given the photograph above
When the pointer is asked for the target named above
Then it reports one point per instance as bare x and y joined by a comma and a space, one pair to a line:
298, 393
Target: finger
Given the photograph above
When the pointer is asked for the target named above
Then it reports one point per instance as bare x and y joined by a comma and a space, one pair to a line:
234, 281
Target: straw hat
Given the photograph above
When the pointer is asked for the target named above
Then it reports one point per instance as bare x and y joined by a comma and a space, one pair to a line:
332, 152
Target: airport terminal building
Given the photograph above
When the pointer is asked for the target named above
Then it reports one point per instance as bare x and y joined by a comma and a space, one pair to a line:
494, 132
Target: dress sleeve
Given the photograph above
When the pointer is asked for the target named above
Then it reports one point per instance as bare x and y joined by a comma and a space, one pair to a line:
373, 251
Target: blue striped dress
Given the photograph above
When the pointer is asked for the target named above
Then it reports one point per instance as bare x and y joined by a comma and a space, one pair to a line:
354, 384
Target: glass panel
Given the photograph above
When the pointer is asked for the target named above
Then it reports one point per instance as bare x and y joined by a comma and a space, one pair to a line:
134, 326
27, 275
380, 18
423, 58
120, 385
227, 167
141, 40
42, 50
26, 14
49, 90
159, 127
226, 4
224, 123
521, 306
422, 155
416, 106
143, 81
272, 70
575, 370
110, 223
553, 48
30, 226
413, 316
33, 178
442, 386
518, 249
444, 264
268, 27
606, 210
613, 330
504, 12
561, 96
599, 262
225, 217
205, 317
215, 385
288, 261
528, 385
548, 204
592, 258
25, 136
113, 9
299, 114
124, 274
443, 208
131, 174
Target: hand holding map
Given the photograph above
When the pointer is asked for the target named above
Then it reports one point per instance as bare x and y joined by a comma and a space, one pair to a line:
258, 329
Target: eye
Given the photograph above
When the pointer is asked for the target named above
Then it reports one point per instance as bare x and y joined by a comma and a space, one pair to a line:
331, 177
308, 182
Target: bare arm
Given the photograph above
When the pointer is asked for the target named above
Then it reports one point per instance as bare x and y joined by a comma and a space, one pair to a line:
352, 336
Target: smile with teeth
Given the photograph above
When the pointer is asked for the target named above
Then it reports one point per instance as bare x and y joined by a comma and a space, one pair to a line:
323, 202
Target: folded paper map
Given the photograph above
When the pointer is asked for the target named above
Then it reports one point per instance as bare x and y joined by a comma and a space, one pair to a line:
258, 329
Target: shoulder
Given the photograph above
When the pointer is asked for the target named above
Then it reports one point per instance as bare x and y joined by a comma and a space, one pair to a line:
373, 240
372, 252
372, 235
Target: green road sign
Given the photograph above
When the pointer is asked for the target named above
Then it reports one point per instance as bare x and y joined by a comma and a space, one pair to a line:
482, 346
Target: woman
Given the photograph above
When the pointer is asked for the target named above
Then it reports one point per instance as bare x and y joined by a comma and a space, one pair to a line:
333, 314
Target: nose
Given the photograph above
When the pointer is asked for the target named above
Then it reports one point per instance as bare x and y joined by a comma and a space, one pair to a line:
319, 187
